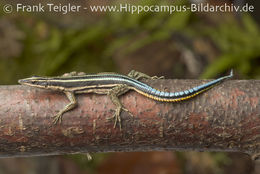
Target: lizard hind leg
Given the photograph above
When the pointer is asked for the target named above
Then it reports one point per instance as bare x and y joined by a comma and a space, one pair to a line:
139, 75
114, 93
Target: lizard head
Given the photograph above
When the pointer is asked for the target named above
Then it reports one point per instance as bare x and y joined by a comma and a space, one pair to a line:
35, 81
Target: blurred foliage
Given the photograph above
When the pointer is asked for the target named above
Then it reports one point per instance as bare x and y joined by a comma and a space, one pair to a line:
240, 47
88, 165
51, 50
220, 159
203, 163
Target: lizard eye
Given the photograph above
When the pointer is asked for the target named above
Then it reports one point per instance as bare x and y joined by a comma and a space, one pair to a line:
33, 82
44, 84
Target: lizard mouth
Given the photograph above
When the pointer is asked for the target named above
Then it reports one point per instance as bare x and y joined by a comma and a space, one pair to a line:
23, 81
33, 82
27, 81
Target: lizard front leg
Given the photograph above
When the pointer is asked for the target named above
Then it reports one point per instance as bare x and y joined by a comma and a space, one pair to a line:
71, 105
73, 73
70, 96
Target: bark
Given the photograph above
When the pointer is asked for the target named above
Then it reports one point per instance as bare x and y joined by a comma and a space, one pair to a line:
225, 118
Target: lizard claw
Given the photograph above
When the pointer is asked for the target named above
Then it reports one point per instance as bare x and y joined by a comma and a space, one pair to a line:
57, 118
117, 117
156, 77
128, 111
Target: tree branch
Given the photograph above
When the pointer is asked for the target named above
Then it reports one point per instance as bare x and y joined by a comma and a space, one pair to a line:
225, 118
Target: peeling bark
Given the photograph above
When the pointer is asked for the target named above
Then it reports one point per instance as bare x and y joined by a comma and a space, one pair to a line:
225, 118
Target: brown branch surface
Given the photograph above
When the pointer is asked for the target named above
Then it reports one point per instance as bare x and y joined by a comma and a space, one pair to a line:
225, 118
